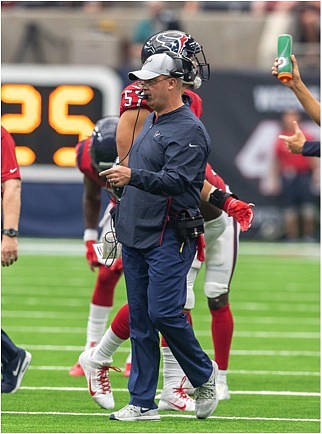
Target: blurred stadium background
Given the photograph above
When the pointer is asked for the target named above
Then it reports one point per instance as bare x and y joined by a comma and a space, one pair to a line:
64, 65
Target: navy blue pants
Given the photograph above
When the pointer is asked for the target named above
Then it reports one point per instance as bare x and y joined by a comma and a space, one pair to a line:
156, 290
8, 349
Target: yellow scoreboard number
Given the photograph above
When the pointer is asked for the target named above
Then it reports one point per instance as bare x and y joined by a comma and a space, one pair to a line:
49, 109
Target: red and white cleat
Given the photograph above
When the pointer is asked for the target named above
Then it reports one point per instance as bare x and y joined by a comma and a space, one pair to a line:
98, 379
175, 398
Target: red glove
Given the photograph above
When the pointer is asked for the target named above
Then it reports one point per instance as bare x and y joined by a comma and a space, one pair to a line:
241, 211
91, 255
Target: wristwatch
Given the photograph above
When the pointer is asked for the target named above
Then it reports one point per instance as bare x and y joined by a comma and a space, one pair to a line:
10, 232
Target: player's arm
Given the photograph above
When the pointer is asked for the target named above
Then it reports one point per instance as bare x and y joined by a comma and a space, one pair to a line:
228, 202
128, 127
310, 104
91, 210
11, 203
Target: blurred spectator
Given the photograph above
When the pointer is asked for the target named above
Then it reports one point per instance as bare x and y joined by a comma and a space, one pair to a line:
230, 6
42, 4
160, 18
306, 15
292, 179
262, 7
308, 22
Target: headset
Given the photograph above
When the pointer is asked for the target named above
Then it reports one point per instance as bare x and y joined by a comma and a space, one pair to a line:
184, 68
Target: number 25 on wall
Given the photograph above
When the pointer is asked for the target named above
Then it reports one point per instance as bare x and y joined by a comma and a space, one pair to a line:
60, 99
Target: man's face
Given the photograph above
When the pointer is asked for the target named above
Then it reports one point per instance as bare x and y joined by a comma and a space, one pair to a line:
156, 90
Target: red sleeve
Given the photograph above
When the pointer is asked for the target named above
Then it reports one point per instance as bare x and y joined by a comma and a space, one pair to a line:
130, 99
9, 165
213, 178
195, 102
83, 161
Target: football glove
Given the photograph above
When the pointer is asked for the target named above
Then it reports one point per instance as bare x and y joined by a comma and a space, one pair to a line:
90, 237
91, 255
241, 211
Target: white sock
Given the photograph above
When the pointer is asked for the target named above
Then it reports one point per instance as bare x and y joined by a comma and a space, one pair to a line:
222, 376
172, 371
96, 324
107, 346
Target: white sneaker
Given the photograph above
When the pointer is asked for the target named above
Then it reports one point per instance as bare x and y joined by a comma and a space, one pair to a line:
98, 380
222, 391
206, 396
175, 398
133, 413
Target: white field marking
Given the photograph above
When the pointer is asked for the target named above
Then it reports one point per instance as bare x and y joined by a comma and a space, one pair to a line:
47, 330
59, 291
184, 416
33, 301
54, 291
83, 315
125, 349
230, 372
282, 373
273, 320
72, 302
237, 334
68, 247
236, 392
267, 335
305, 307
49, 314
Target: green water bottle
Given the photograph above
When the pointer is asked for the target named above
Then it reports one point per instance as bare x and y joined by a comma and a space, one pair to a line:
284, 51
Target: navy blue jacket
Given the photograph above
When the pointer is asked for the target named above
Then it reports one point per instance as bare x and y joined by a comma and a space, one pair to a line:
167, 161
311, 149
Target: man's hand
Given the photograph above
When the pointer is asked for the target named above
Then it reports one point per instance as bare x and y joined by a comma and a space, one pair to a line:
91, 255
117, 176
296, 142
296, 73
241, 211
9, 250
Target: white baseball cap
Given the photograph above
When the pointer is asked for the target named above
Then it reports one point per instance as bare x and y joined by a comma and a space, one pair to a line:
155, 65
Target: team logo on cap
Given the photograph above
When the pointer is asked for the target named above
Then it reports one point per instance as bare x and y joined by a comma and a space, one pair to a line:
147, 60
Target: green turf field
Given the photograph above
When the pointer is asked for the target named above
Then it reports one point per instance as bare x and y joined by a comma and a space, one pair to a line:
274, 375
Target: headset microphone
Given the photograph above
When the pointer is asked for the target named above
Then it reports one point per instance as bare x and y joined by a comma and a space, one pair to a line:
142, 95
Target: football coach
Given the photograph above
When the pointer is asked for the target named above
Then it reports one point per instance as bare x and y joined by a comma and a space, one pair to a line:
158, 222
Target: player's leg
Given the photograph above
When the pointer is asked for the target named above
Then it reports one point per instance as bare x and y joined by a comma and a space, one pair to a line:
14, 364
100, 307
220, 262
96, 362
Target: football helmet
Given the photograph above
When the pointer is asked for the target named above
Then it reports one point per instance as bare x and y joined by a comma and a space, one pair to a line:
180, 43
102, 149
